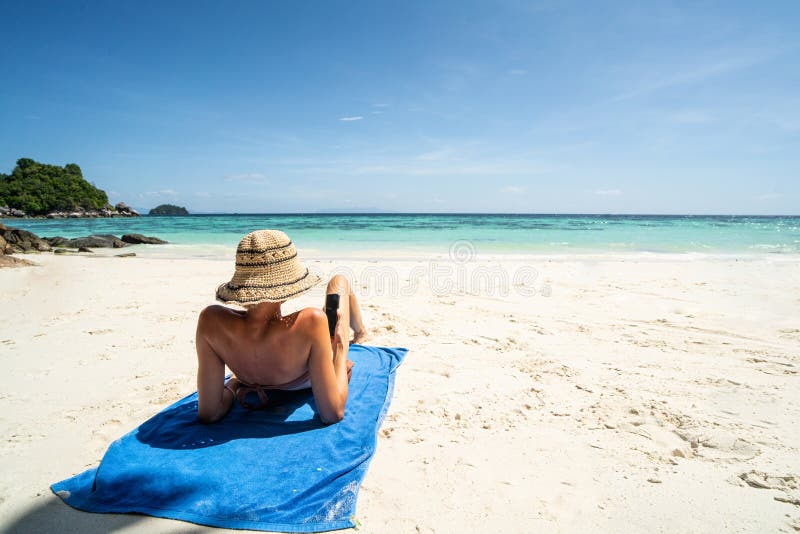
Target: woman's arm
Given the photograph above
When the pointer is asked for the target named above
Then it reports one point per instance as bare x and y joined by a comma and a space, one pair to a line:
327, 365
213, 398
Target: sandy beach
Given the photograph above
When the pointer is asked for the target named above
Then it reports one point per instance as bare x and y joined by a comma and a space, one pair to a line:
563, 394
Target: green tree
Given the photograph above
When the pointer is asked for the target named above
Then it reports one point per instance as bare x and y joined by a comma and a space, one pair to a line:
38, 188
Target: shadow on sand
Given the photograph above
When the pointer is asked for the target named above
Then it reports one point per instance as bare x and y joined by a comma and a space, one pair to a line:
49, 514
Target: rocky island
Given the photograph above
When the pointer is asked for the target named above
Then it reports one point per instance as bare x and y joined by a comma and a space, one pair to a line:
168, 209
36, 189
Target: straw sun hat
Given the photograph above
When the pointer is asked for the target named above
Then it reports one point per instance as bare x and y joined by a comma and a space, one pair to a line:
267, 270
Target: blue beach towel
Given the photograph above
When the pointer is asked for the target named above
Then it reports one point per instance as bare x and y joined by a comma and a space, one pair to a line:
277, 469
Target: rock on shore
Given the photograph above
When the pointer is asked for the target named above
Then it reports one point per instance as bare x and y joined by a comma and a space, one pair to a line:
23, 241
16, 240
6, 249
120, 210
5, 211
92, 241
3, 242
13, 261
138, 239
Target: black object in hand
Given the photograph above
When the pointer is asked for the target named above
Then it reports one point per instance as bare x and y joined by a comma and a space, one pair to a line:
331, 307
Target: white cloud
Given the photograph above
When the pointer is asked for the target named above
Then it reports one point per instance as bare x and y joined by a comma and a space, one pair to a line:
512, 189
445, 168
351, 119
202, 194
701, 71
247, 178
160, 193
608, 192
436, 155
380, 105
769, 196
518, 72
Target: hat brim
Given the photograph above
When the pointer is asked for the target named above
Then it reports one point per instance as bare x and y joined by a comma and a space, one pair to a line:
250, 295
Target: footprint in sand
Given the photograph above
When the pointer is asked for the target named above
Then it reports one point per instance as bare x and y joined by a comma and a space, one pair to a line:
773, 367
789, 333
718, 444
760, 480
789, 485
659, 434
108, 430
99, 332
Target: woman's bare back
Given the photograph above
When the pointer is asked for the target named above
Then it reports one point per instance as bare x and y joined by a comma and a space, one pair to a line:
261, 350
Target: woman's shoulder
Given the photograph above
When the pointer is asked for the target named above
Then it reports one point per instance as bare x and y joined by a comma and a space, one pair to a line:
310, 315
218, 312
309, 319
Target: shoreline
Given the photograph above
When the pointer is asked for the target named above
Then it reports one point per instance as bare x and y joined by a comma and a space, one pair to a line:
213, 252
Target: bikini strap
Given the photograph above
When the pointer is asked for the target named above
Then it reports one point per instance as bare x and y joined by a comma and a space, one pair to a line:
242, 389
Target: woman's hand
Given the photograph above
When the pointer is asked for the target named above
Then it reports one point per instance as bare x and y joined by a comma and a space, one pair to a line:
231, 384
341, 334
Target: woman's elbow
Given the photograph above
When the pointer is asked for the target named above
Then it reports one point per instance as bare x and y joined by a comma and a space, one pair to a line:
333, 417
208, 417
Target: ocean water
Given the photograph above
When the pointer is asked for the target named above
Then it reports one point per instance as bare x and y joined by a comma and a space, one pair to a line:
462, 235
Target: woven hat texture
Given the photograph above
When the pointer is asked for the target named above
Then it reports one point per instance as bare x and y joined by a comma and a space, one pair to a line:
267, 270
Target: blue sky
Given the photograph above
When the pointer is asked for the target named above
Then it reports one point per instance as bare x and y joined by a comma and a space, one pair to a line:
502, 106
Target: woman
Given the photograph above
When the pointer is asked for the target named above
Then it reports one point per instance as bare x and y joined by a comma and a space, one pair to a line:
266, 350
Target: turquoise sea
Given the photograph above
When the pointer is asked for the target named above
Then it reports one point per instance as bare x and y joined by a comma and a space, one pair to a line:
424, 234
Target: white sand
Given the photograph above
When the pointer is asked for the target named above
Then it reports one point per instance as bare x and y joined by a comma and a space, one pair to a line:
628, 400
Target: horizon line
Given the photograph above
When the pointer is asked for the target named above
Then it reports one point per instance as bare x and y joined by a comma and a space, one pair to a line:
538, 214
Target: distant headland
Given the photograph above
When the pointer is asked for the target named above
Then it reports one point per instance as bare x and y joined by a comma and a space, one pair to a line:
36, 189
168, 209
